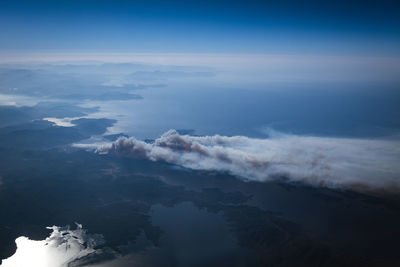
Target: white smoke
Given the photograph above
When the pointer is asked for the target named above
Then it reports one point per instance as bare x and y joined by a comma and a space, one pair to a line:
61, 249
359, 164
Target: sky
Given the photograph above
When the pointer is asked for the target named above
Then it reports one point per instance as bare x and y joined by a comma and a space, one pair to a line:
366, 28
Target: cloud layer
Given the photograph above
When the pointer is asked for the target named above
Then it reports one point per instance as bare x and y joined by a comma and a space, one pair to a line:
358, 164
61, 249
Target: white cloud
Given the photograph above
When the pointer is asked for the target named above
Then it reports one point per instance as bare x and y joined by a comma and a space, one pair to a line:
358, 164
63, 247
63, 122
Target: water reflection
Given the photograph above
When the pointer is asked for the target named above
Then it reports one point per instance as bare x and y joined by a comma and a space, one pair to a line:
60, 249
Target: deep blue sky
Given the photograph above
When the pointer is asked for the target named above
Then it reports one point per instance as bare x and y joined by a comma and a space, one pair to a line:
277, 27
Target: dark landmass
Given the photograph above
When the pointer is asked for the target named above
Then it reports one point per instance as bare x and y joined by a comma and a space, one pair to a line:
44, 134
45, 184
11, 115
165, 75
74, 82
113, 137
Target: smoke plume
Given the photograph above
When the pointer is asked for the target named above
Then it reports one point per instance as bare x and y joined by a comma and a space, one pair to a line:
358, 164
